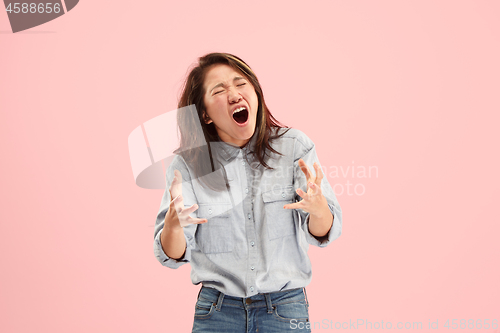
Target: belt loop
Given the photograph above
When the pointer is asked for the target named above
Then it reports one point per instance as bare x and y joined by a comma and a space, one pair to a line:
268, 303
305, 294
219, 301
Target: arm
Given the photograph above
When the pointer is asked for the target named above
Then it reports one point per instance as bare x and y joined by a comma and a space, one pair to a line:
175, 228
321, 219
172, 237
177, 217
319, 211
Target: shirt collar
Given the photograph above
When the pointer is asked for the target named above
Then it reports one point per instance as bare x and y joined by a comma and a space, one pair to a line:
229, 151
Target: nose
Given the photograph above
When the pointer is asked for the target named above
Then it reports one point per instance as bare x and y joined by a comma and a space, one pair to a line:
234, 96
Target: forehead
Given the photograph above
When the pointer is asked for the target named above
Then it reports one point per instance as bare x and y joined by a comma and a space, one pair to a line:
220, 73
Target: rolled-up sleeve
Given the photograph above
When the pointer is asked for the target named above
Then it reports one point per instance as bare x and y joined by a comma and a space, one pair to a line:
189, 199
305, 149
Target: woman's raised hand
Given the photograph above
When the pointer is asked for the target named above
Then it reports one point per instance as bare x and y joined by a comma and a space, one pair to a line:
313, 202
178, 215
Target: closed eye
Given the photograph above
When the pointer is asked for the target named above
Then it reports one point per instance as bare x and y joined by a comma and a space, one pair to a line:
242, 84
215, 93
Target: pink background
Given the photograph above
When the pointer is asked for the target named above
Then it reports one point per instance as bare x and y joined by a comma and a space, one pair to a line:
411, 87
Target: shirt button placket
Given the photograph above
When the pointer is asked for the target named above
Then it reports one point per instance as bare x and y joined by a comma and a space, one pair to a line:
248, 207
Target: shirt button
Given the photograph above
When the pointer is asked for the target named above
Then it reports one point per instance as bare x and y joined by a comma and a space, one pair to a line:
252, 268
246, 190
209, 211
249, 216
283, 195
252, 243
251, 288
242, 162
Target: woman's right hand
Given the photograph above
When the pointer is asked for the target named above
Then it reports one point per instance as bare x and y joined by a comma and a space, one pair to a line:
178, 215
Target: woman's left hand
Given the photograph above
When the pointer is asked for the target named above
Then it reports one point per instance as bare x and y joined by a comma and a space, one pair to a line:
313, 202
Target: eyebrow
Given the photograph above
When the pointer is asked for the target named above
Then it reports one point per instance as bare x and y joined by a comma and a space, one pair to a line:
236, 78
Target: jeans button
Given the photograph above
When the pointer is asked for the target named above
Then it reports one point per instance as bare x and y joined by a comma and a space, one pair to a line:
248, 301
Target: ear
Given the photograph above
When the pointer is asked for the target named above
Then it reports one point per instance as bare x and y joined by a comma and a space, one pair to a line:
206, 118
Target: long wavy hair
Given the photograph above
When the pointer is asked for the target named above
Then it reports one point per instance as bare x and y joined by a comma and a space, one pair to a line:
195, 145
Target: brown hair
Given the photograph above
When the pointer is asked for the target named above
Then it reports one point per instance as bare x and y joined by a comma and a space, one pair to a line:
195, 146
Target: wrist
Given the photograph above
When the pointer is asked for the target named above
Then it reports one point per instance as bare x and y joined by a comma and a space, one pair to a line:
171, 222
171, 232
172, 228
172, 242
322, 212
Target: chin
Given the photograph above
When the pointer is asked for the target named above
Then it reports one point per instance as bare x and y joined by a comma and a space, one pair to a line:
249, 135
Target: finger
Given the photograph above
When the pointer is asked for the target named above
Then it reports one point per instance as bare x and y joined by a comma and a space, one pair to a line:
178, 203
172, 202
305, 169
171, 197
296, 205
301, 193
189, 210
315, 189
319, 173
187, 222
196, 221
176, 186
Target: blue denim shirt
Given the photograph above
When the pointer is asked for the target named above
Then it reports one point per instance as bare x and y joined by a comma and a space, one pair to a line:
250, 244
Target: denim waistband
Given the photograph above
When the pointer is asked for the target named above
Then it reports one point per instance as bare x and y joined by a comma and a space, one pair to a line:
260, 300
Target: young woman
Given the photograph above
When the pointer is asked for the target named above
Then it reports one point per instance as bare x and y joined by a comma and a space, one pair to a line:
242, 204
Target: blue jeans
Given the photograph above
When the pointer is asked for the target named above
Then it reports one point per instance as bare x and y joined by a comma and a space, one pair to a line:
284, 311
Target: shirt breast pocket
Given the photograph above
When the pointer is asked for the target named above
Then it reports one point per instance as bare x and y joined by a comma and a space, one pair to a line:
278, 219
216, 235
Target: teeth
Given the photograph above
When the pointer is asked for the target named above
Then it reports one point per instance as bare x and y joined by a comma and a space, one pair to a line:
239, 109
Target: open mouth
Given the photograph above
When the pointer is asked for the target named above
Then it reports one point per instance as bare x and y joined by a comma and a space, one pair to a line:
240, 115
